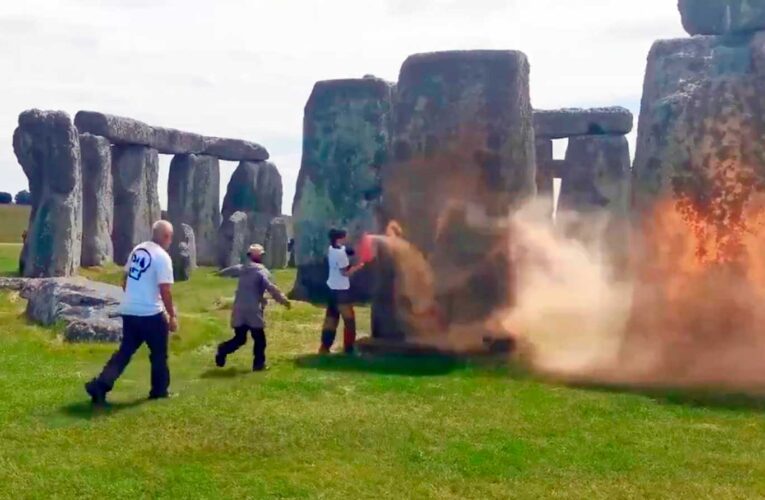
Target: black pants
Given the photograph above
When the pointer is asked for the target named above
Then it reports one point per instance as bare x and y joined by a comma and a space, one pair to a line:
340, 305
135, 331
240, 338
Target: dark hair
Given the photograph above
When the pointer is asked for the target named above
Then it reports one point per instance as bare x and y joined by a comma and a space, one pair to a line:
336, 234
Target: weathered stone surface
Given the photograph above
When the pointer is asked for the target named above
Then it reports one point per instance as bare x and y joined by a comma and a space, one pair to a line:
233, 240
194, 198
97, 201
544, 155
14, 284
562, 123
135, 170
677, 73
596, 182
699, 193
89, 309
127, 131
234, 149
254, 187
597, 175
464, 151
48, 148
722, 17
183, 251
346, 136
276, 244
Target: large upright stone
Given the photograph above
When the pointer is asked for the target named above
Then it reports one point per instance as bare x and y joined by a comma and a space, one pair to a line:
699, 193
183, 251
193, 194
135, 170
675, 73
47, 146
97, 201
722, 17
346, 130
464, 151
597, 175
562, 123
127, 131
276, 244
233, 240
254, 187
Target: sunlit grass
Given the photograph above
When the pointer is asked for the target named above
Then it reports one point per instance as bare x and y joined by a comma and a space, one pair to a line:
345, 427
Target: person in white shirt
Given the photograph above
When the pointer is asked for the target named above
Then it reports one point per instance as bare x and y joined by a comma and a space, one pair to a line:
340, 301
147, 313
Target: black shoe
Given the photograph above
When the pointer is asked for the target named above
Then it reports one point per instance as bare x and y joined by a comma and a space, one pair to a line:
220, 360
96, 392
259, 367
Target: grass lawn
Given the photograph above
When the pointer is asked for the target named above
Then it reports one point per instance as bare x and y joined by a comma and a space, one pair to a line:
14, 221
347, 428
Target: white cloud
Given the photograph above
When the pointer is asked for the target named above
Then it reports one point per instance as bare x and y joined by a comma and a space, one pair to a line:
244, 68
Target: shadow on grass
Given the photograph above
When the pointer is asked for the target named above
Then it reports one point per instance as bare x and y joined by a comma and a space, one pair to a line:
227, 373
424, 366
86, 410
694, 398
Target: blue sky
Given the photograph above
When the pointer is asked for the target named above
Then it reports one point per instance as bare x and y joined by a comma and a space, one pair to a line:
244, 68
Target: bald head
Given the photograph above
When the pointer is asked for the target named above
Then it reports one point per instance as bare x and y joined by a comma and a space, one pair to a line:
162, 233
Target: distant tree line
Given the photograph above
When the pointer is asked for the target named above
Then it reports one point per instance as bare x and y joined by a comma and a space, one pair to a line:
21, 198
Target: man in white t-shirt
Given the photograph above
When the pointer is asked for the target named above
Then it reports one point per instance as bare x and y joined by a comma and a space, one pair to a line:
340, 301
147, 312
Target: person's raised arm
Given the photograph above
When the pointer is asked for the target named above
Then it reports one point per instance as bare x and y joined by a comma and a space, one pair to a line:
277, 294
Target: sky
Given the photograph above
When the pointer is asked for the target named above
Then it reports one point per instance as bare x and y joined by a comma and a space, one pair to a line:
245, 68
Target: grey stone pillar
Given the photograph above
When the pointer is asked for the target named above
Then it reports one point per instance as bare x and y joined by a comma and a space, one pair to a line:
97, 201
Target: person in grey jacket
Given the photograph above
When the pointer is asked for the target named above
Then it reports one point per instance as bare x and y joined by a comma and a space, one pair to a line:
249, 305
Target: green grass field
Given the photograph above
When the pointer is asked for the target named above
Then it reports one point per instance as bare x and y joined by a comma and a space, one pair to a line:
346, 428
13, 222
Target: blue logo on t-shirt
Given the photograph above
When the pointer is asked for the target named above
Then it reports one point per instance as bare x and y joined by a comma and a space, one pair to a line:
140, 262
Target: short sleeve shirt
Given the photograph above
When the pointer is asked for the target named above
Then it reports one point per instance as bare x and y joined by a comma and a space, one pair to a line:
148, 266
338, 261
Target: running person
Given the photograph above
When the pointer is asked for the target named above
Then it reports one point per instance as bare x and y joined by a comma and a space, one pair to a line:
247, 313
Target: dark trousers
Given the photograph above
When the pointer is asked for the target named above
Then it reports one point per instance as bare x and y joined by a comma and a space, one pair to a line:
340, 305
240, 338
135, 331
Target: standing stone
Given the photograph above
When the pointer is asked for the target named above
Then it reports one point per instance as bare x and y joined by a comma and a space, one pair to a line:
722, 17
47, 146
193, 194
545, 175
675, 68
183, 252
597, 175
698, 198
97, 201
233, 240
135, 170
596, 182
346, 130
464, 160
276, 244
254, 187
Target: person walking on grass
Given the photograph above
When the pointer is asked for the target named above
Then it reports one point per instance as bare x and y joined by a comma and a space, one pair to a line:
249, 306
340, 301
148, 315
